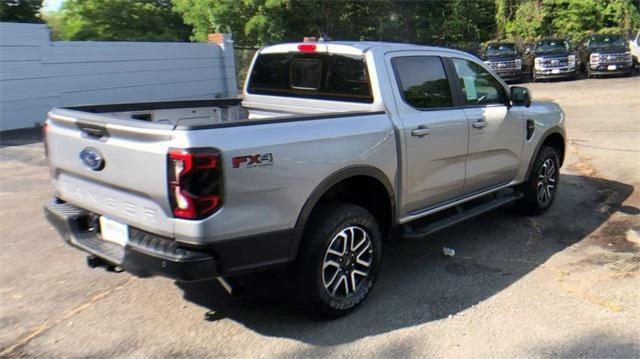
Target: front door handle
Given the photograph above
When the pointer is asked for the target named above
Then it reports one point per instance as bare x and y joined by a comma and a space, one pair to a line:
479, 124
421, 131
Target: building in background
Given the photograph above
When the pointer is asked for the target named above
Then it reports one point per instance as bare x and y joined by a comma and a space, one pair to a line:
37, 74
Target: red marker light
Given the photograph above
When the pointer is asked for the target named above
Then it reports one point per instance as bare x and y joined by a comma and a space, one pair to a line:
307, 47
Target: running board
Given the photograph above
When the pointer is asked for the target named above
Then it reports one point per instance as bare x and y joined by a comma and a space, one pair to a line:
462, 214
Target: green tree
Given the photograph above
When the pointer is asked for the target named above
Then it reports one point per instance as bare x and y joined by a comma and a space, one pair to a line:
54, 22
505, 12
20, 10
256, 22
528, 21
622, 16
467, 21
575, 19
121, 20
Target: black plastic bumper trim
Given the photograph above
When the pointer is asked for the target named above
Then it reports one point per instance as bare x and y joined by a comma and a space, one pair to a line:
144, 255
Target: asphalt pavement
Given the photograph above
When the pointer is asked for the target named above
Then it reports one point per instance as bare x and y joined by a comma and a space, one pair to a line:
563, 284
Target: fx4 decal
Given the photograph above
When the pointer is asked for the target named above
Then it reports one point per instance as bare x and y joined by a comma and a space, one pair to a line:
250, 161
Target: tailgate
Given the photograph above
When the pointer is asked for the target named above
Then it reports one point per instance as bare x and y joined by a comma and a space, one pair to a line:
112, 167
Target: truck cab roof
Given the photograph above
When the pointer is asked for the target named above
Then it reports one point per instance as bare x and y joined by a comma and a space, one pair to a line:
353, 47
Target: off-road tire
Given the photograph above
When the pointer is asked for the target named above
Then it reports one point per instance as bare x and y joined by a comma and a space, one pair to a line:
535, 202
322, 231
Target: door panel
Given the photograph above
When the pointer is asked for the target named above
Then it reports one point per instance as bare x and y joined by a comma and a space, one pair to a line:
435, 134
494, 150
435, 163
496, 133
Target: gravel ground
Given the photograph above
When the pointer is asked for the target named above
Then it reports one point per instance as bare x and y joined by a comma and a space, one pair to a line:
565, 284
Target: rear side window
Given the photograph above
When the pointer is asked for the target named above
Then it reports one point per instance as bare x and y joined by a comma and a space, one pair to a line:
422, 81
317, 76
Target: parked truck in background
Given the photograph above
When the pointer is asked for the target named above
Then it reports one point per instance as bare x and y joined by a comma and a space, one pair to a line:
605, 55
332, 146
551, 58
504, 59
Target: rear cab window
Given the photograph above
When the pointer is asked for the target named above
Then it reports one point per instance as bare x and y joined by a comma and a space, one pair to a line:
323, 76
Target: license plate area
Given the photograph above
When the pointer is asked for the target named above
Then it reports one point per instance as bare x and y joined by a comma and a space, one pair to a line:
612, 67
114, 231
555, 71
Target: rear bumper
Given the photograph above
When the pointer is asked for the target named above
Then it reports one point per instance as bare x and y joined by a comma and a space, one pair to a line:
144, 255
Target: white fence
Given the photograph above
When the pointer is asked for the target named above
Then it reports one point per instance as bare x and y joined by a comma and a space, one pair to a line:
37, 74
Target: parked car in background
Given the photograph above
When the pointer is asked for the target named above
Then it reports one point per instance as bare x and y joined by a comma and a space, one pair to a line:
605, 55
634, 47
505, 59
551, 58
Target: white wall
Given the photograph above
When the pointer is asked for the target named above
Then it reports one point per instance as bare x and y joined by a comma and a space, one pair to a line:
37, 74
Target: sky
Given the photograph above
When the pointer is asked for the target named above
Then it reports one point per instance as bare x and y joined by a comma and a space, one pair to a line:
51, 5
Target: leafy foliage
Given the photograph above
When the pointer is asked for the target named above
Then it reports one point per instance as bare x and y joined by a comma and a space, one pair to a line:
256, 22
120, 20
572, 18
528, 21
458, 23
20, 10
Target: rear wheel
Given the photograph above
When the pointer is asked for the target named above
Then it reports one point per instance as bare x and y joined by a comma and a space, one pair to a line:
339, 258
541, 187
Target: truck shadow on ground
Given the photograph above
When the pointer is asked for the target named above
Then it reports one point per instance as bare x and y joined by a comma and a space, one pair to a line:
418, 285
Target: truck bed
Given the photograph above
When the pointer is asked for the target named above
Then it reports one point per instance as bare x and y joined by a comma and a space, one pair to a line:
192, 113
188, 115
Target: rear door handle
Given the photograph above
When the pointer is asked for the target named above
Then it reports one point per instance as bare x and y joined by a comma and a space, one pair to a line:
479, 124
421, 131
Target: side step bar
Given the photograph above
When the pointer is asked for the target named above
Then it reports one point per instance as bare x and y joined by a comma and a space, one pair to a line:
410, 231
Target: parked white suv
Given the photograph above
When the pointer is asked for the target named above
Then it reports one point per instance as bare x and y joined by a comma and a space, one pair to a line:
634, 46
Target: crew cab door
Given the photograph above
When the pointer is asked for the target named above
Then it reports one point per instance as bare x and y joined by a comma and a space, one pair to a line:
434, 132
496, 133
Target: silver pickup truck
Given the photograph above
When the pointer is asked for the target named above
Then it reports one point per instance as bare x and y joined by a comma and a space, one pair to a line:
332, 146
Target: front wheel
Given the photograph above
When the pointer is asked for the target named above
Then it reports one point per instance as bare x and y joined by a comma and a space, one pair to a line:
339, 258
541, 187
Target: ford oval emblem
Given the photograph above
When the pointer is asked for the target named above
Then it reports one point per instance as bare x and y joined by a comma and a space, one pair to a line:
92, 158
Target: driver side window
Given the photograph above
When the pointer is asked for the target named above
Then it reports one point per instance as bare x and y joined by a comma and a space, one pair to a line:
478, 86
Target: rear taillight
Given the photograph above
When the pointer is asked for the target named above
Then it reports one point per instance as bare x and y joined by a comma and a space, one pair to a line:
195, 182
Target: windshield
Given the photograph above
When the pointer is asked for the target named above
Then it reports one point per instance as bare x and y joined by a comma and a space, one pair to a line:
606, 41
552, 46
501, 49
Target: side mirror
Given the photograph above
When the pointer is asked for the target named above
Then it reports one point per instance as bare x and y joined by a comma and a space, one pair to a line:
520, 96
